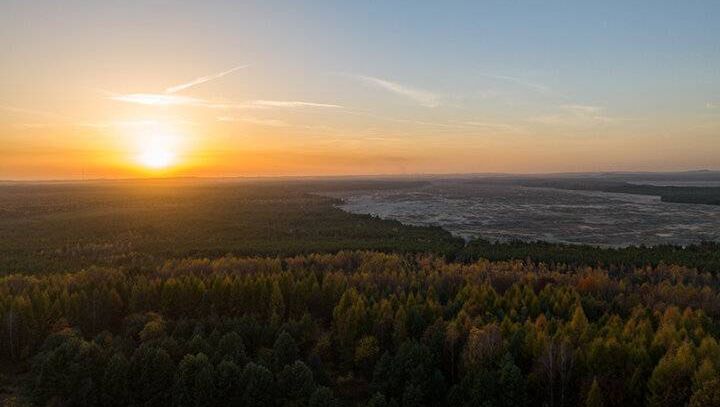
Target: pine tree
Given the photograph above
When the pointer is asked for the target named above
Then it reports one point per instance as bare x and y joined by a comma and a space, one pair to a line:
512, 383
412, 396
115, 383
231, 347
195, 381
295, 383
323, 397
671, 382
377, 400
708, 395
228, 382
258, 386
285, 351
594, 396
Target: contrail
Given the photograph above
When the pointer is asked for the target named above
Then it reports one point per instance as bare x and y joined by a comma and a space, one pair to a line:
203, 79
425, 98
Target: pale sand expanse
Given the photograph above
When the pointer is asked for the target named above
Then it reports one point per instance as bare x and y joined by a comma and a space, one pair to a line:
504, 212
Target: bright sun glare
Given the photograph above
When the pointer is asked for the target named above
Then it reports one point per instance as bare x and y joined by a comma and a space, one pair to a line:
157, 150
156, 158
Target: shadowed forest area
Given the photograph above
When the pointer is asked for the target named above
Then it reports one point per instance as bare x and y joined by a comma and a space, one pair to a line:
140, 224
185, 293
679, 194
364, 328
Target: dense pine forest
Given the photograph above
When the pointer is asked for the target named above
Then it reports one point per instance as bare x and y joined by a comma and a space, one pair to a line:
707, 195
264, 294
365, 328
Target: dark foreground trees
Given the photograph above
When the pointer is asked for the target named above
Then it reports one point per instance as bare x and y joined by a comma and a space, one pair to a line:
364, 328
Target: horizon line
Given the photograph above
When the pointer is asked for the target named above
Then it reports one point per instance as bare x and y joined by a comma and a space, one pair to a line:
346, 176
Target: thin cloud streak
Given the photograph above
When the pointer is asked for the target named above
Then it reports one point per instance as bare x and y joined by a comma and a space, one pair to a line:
168, 98
293, 103
254, 120
459, 125
259, 121
493, 126
583, 110
423, 97
159, 99
203, 79
576, 115
537, 87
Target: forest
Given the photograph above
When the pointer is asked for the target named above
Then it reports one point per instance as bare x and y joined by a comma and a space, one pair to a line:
708, 195
52, 227
365, 328
265, 294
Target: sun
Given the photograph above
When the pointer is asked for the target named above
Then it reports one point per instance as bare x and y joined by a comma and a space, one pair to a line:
157, 151
156, 146
156, 158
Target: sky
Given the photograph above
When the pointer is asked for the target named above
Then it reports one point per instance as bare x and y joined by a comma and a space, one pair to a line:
118, 89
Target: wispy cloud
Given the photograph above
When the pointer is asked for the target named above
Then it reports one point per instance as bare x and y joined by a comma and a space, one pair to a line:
421, 96
583, 110
534, 86
169, 98
575, 114
270, 122
292, 103
492, 126
450, 125
134, 123
159, 99
254, 120
203, 79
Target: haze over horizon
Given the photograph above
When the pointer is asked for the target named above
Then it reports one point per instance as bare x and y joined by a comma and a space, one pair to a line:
156, 89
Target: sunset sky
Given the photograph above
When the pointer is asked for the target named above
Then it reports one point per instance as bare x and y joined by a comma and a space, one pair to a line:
113, 89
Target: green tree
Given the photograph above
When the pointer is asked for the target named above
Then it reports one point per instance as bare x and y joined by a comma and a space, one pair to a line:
671, 382
71, 369
707, 395
277, 302
231, 347
285, 351
367, 352
152, 376
412, 396
228, 382
296, 384
323, 397
377, 400
594, 397
116, 382
512, 383
258, 386
706, 371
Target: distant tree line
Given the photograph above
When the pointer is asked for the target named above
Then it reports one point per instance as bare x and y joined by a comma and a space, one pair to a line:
703, 256
709, 195
368, 329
